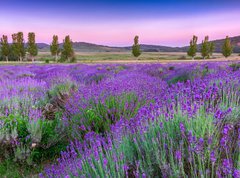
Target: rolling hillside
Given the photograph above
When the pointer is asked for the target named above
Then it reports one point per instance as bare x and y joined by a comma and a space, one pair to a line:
89, 47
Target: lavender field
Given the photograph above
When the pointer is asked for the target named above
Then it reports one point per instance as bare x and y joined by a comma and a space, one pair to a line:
115, 120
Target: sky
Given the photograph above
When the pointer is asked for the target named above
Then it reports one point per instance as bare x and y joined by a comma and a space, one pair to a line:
116, 22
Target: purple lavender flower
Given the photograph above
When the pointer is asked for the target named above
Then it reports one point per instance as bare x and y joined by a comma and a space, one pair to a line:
227, 166
236, 173
212, 157
178, 155
105, 162
223, 141
144, 175
182, 127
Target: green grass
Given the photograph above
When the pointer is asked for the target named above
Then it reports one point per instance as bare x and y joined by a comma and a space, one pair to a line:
10, 169
101, 57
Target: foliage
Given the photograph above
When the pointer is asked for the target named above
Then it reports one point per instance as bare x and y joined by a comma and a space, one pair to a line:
183, 77
227, 48
14, 46
54, 47
32, 48
99, 115
193, 130
117, 119
67, 51
192, 51
136, 47
211, 48
5, 48
47, 61
18, 46
206, 48
22, 137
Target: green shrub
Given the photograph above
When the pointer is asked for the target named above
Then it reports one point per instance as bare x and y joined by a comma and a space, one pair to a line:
73, 59
21, 137
205, 71
99, 115
182, 58
183, 77
47, 61
61, 89
120, 68
198, 57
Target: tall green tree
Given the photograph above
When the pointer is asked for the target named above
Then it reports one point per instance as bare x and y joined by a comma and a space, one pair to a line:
67, 51
5, 48
192, 51
205, 48
32, 47
54, 47
211, 48
18, 46
227, 47
136, 47
14, 47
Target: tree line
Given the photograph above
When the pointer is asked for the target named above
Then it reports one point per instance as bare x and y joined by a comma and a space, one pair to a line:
207, 48
18, 51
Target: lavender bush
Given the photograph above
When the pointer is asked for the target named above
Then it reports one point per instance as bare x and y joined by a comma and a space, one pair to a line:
141, 120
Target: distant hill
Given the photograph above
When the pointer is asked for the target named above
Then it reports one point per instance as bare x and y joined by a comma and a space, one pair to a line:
89, 47
85, 47
157, 48
235, 41
43, 46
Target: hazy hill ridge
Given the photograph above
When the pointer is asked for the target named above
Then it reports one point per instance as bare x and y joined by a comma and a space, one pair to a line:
89, 47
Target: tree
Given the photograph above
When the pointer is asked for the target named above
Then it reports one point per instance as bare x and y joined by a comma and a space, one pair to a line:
211, 49
14, 48
18, 45
205, 48
32, 47
136, 48
227, 48
54, 47
67, 52
192, 51
5, 48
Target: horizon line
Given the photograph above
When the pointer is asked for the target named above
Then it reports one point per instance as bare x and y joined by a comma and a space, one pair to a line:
129, 45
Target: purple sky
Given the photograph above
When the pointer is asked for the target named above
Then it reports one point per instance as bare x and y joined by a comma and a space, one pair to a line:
115, 23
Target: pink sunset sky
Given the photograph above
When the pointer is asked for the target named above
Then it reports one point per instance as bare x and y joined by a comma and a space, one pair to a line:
171, 31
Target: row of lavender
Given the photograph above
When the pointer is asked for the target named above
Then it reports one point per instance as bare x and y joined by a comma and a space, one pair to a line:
187, 129
123, 120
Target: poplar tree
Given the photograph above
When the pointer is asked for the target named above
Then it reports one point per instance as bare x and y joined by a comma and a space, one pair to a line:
54, 47
14, 48
67, 52
227, 47
192, 51
211, 49
205, 48
32, 47
18, 45
136, 47
5, 48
